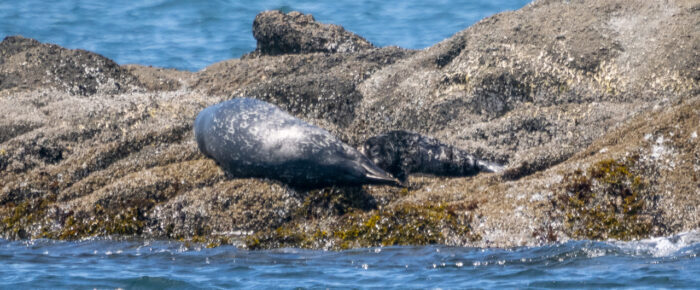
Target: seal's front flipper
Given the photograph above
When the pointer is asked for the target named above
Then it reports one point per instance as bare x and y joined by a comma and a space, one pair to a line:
486, 166
379, 176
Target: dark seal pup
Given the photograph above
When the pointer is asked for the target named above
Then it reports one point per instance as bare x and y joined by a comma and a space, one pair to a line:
402, 152
252, 138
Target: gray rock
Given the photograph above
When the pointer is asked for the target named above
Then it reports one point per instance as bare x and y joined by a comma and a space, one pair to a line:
310, 86
27, 64
278, 33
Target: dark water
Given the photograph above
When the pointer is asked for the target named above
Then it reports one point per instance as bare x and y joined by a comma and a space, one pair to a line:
190, 34
655, 263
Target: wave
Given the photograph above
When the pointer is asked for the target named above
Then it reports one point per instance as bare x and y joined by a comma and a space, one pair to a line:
104, 263
680, 244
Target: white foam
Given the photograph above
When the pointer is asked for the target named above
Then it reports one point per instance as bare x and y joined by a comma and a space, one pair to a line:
662, 246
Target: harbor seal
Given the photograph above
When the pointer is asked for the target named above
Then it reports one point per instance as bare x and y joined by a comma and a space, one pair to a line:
403, 152
251, 138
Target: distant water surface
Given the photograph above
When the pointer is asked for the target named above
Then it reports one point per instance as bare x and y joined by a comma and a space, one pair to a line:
654, 263
188, 34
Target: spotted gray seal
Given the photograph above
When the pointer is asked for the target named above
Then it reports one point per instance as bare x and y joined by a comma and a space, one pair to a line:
252, 138
402, 152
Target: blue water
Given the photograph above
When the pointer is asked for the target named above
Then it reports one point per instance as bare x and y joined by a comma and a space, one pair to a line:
655, 263
190, 34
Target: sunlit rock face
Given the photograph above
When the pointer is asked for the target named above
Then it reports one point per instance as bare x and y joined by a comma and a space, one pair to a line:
576, 99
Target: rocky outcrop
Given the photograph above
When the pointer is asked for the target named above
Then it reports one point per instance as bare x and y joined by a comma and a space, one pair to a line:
27, 64
315, 85
592, 105
278, 33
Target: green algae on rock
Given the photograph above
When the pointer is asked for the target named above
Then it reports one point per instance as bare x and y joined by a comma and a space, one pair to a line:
403, 224
608, 202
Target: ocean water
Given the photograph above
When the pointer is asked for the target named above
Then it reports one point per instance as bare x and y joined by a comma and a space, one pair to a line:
654, 263
190, 34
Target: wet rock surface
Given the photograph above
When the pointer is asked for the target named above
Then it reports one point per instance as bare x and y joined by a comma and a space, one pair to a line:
593, 106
